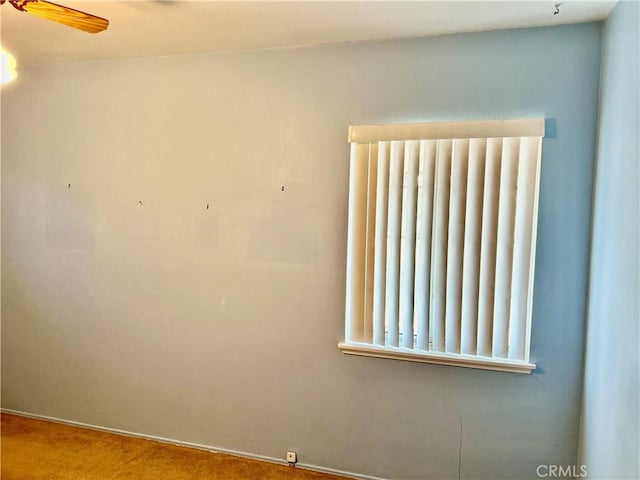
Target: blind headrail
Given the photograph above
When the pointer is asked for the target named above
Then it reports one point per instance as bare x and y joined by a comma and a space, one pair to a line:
521, 127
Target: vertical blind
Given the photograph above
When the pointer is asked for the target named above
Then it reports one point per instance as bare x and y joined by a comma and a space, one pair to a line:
441, 242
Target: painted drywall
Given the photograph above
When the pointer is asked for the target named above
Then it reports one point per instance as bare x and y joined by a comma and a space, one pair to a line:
610, 443
128, 304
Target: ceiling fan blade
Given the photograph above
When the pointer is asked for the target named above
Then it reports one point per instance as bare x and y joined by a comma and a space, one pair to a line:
65, 15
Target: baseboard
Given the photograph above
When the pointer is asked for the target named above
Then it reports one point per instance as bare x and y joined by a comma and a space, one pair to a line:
208, 448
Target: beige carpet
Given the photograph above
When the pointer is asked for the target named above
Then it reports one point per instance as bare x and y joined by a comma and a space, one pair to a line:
39, 450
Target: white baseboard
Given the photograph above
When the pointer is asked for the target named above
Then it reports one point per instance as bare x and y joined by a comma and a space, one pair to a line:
208, 448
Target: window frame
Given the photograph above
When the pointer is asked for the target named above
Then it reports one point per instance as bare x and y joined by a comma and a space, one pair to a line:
487, 129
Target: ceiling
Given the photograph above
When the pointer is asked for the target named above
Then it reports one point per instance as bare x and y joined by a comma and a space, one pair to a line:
169, 27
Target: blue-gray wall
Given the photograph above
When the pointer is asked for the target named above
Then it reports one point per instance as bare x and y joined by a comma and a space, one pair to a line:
221, 326
611, 406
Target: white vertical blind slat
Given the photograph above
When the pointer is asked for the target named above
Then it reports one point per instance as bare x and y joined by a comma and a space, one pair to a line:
439, 246
380, 260
424, 220
487, 277
472, 238
408, 240
504, 249
457, 205
393, 242
356, 239
370, 242
527, 169
532, 259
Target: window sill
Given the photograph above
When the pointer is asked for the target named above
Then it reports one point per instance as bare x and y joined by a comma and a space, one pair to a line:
451, 359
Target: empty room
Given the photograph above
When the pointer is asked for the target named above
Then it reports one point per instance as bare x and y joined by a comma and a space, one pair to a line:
319, 240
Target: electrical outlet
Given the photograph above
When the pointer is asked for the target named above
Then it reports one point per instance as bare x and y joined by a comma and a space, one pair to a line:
292, 457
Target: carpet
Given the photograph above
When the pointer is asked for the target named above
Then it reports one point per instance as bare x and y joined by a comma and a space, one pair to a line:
40, 450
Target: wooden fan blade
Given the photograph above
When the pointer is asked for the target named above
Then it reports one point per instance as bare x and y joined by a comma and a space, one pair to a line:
65, 15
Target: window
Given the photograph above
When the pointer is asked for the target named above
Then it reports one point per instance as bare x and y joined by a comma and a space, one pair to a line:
441, 242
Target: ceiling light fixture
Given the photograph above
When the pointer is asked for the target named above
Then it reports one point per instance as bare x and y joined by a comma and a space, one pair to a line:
7, 66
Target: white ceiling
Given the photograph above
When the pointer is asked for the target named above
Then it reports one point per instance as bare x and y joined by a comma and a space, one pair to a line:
168, 27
